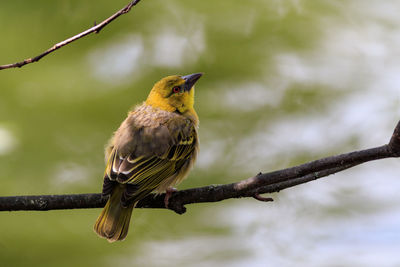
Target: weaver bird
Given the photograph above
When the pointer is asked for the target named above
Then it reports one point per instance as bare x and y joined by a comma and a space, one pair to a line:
152, 150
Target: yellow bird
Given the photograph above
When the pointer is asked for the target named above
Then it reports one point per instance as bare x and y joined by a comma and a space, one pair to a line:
152, 150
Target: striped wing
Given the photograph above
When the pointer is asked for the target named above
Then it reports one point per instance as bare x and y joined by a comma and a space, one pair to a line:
143, 174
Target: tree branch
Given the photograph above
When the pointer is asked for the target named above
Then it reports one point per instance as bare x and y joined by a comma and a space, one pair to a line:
251, 187
95, 29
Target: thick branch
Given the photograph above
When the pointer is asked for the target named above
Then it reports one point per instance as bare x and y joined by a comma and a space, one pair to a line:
95, 29
252, 187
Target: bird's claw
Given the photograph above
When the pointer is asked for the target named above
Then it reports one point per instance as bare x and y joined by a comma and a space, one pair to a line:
168, 194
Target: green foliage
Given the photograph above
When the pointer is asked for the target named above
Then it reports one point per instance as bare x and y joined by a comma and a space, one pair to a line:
60, 112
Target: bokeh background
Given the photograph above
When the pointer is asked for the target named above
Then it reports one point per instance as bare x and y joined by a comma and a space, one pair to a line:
285, 82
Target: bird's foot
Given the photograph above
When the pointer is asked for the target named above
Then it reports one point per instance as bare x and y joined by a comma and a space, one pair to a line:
168, 194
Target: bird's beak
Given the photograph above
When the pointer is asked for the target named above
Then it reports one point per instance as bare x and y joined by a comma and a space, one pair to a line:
190, 80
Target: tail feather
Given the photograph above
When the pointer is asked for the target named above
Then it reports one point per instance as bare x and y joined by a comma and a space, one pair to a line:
113, 222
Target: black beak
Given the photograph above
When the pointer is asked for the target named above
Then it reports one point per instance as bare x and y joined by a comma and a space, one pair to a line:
190, 79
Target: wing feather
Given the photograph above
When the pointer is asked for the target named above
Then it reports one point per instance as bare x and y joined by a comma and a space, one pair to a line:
147, 172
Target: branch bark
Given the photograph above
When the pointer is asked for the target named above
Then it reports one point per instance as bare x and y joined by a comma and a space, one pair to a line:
252, 187
95, 29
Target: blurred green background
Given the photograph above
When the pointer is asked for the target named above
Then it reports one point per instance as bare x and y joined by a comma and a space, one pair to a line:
285, 82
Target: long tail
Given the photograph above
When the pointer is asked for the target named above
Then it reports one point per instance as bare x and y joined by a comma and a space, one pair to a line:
113, 222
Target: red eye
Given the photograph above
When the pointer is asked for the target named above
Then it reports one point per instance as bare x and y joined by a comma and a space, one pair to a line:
176, 89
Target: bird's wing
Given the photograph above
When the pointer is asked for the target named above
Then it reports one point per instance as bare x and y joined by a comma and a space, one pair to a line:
144, 172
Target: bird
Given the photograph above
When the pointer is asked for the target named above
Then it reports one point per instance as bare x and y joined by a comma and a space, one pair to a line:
152, 151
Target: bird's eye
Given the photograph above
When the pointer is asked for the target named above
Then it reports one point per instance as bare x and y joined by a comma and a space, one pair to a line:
176, 89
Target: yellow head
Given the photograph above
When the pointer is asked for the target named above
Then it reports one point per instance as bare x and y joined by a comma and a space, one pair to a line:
174, 93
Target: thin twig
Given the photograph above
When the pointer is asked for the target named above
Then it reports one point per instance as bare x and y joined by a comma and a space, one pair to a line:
252, 187
95, 29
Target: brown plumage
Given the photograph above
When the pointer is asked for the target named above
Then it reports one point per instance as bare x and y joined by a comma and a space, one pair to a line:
153, 150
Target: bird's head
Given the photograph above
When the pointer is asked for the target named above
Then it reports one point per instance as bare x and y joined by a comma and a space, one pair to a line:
174, 93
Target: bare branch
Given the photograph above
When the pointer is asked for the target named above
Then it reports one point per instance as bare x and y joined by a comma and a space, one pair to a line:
96, 29
252, 187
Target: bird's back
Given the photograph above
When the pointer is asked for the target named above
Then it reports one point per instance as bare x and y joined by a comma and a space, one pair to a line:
153, 149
